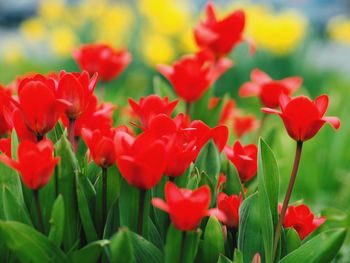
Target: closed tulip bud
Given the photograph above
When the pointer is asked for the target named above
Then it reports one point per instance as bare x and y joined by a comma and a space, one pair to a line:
229, 205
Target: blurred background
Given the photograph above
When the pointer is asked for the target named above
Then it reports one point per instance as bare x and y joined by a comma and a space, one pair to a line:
310, 38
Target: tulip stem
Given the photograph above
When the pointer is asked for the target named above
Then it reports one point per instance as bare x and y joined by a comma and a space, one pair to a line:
104, 195
38, 210
141, 211
188, 108
287, 196
182, 246
71, 131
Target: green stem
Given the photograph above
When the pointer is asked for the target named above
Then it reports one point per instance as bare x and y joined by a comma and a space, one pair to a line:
188, 108
182, 247
104, 195
287, 197
38, 210
71, 132
141, 211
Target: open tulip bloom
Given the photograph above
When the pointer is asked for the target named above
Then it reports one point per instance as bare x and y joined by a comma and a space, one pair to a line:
167, 177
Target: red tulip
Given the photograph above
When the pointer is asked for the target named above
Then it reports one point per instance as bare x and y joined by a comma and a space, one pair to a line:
150, 106
220, 36
5, 103
185, 207
244, 124
101, 146
39, 103
221, 182
103, 59
244, 158
77, 88
229, 205
95, 117
16, 121
192, 75
302, 220
5, 146
267, 89
302, 117
141, 160
35, 163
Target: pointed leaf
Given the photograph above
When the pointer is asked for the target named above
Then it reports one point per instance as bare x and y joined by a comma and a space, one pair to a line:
57, 221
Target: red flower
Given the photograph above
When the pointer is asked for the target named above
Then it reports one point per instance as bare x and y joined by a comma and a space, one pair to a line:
39, 103
150, 106
101, 146
302, 220
302, 117
267, 89
35, 162
16, 121
244, 158
244, 124
229, 205
185, 207
5, 146
103, 59
221, 182
95, 117
77, 88
220, 36
192, 75
141, 160
5, 103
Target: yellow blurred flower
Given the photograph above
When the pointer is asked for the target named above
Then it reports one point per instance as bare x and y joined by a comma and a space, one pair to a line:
62, 40
279, 33
114, 25
52, 10
157, 49
338, 29
166, 16
13, 52
33, 29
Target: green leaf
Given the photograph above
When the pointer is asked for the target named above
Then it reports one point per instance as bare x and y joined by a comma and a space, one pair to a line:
320, 249
86, 197
194, 179
67, 170
249, 231
57, 221
129, 206
161, 218
268, 184
145, 251
172, 248
29, 245
55, 134
238, 257
292, 240
162, 88
223, 259
191, 245
213, 242
90, 253
13, 210
208, 160
233, 182
120, 247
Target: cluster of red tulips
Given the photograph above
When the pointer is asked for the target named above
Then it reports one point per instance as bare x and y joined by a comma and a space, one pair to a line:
163, 154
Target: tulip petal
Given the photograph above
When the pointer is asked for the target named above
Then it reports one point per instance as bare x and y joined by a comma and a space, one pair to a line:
249, 89
165, 70
9, 162
270, 111
204, 36
161, 204
293, 83
333, 121
322, 104
210, 10
259, 77
283, 101
218, 214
